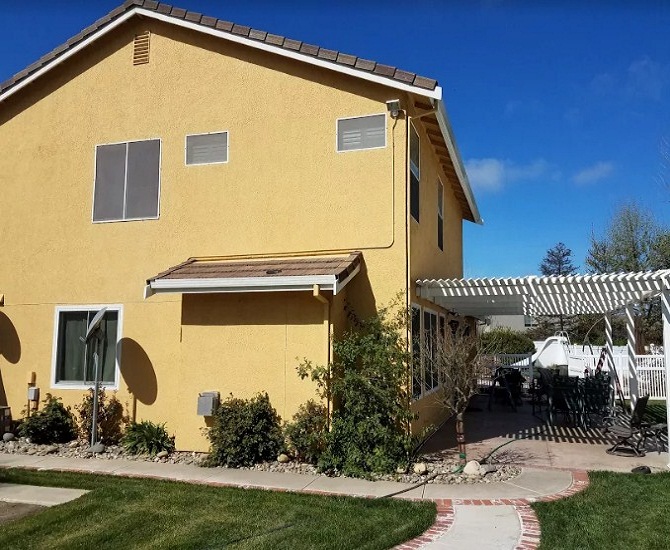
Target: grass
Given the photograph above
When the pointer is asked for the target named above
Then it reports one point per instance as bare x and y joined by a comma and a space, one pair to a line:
142, 514
616, 511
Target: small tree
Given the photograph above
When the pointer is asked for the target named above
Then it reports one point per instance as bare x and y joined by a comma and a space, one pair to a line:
367, 382
458, 360
558, 262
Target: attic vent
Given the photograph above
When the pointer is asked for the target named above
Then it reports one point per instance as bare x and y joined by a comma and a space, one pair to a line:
141, 48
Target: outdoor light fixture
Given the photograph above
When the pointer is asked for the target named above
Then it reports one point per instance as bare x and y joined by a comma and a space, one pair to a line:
393, 106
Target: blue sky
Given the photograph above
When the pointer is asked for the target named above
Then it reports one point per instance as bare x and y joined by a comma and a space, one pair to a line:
561, 109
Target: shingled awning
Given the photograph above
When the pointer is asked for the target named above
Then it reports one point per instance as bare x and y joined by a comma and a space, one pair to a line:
330, 273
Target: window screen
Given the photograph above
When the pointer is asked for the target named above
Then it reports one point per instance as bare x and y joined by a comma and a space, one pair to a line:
415, 172
127, 181
207, 148
73, 363
416, 353
366, 132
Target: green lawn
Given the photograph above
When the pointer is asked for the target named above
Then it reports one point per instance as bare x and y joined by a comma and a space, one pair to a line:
139, 513
627, 511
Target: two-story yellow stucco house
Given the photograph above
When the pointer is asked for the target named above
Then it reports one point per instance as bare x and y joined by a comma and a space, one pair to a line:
223, 192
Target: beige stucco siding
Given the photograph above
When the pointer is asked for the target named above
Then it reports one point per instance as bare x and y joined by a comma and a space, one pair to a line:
284, 190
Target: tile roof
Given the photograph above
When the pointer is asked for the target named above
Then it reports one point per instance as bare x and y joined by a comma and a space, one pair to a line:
339, 266
308, 50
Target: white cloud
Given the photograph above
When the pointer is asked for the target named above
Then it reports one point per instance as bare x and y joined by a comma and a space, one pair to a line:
594, 173
646, 79
491, 174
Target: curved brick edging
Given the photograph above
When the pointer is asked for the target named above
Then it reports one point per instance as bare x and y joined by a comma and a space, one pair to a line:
530, 525
443, 521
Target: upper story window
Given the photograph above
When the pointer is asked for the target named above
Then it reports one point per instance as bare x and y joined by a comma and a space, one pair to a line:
363, 132
415, 171
440, 215
207, 148
127, 181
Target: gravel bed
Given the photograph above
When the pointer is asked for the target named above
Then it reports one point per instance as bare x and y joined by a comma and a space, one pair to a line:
439, 467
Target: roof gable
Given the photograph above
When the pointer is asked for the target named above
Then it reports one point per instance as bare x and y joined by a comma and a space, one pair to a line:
287, 47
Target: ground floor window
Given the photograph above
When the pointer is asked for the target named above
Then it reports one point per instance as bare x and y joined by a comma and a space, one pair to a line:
428, 332
73, 362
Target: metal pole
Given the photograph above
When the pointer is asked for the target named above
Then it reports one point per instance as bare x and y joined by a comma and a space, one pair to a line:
94, 416
665, 303
632, 359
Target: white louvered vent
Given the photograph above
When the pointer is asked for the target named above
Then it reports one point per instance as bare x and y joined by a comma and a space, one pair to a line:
141, 48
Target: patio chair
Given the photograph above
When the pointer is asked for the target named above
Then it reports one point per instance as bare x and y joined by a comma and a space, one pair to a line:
543, 389
625, 432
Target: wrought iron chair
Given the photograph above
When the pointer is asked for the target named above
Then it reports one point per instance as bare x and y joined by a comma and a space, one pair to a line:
625, 432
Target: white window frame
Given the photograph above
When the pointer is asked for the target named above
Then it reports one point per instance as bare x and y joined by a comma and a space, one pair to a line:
54, 350
414, 170
227, 132
421, 383
337, 129
160, 179
424, 350
440, 211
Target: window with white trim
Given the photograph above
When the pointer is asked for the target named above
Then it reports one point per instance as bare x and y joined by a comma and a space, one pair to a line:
440, 215
73, 361
415, 171
430, 342
127, 181
363, 132
207, 148
417, 378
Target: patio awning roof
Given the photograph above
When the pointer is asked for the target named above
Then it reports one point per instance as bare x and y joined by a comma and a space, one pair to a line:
535, 295
329, 273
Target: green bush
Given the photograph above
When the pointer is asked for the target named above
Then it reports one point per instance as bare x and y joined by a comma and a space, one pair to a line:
367, 383
306, 435
147, 438
111, 419
245, 431
53, 424
506, 340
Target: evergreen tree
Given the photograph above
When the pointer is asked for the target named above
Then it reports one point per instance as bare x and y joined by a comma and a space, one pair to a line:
558, 262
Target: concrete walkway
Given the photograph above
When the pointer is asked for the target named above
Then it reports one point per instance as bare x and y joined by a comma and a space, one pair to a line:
481, 515
40, 496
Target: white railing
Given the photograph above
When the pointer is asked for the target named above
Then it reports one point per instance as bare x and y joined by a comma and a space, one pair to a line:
650, 373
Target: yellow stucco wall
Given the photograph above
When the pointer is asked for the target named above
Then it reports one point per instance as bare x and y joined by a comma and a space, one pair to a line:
285, 190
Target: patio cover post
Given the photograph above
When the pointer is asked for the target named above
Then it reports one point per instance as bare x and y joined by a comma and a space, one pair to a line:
609, 349
665, 304
632, 360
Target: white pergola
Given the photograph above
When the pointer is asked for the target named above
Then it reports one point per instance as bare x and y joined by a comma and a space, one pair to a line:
532, 295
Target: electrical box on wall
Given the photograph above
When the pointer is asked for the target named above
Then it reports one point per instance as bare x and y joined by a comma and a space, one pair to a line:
208, 402
33, 394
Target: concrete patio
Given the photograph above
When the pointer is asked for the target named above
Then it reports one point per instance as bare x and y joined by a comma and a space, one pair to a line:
529, 442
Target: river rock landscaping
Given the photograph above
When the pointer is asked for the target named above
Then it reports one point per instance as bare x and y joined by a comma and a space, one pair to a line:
435, 468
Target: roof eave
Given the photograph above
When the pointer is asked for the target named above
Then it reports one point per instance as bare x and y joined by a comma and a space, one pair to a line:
450, 140
435, 93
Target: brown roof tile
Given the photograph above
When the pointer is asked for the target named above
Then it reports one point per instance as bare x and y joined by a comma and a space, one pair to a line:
241, 29
339, 266
257, 35
206, 21
193, 16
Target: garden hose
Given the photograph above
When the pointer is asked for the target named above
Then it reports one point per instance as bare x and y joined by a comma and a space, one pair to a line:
417, 485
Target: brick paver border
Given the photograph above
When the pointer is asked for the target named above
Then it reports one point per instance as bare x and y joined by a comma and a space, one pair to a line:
530, 525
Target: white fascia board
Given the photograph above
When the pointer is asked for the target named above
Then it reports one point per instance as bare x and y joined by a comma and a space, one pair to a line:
245, 284
67, 54
341, 284
358, 73
448, 134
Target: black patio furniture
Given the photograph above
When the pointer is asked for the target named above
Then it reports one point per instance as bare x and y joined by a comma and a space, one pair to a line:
510, 381
655, 432
627, 430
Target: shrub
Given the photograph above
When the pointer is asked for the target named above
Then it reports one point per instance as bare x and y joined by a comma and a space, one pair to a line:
147, 438
53, 424
306, 435
367, 382
245, 431
110, 418
506, 340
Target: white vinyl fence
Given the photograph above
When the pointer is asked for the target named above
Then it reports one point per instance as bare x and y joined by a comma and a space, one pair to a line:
650, 371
